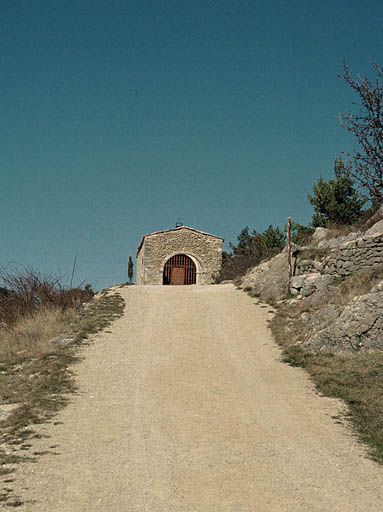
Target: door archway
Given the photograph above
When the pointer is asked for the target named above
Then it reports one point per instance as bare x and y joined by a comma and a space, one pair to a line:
179, 270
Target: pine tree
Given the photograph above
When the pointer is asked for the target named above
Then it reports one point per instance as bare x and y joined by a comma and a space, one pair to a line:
336, 201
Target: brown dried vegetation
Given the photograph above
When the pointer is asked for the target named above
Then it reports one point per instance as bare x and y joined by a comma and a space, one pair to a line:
46, 324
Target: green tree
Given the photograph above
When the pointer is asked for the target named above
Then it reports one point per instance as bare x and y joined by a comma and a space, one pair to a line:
250, 250
243, 242
273, 239
259, 245
336, 201
130, 269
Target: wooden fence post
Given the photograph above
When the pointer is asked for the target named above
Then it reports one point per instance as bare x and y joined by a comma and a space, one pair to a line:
289, 253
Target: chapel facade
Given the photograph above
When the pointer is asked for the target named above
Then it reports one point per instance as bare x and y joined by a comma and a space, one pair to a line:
179, 256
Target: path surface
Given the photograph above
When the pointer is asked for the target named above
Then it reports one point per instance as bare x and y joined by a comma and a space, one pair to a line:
185, 406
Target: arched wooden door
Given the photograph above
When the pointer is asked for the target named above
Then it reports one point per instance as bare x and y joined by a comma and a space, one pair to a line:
179, 269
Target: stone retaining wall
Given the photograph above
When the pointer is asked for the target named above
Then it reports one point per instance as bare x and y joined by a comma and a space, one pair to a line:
365, 253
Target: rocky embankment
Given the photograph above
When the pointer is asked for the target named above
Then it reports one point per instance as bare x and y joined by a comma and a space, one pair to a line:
336, 290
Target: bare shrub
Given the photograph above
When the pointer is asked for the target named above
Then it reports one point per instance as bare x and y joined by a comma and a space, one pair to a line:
366, 124
29, 290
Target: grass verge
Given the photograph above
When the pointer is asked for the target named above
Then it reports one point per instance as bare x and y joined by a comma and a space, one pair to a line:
35, 386
357, 379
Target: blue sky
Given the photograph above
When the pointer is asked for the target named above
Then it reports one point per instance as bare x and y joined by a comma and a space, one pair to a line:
119, 117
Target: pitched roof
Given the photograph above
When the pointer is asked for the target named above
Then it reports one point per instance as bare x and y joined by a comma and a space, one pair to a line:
175, 229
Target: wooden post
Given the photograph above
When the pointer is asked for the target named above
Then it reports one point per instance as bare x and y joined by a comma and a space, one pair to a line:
73, 270
289, 253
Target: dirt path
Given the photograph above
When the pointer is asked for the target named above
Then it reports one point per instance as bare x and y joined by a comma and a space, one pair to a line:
185, 407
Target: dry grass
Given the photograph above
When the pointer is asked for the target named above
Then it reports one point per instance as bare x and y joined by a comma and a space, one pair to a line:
312, 253
36, 378
31, 335
358, 284
335, 231
357, 379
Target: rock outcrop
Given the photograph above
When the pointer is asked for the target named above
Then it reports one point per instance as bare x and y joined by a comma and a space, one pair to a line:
318, 270
358, 327
269, 279
376, 228
333, 243
310, 286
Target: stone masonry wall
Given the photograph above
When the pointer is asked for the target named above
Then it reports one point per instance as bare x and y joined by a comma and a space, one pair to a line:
139, 266
358, 255
204, 249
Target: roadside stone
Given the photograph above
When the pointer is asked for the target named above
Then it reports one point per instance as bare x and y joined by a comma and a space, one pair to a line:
333, 243
64, 338
315, 283
270, 278
376, 228
308, 284
378, 287
297, 282
358, 327
319, 234
307, 267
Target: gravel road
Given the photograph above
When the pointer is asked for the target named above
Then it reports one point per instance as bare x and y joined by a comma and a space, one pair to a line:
185, 406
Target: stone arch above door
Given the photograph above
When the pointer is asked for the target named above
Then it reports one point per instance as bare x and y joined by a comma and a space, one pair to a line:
199, 271
180, 269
